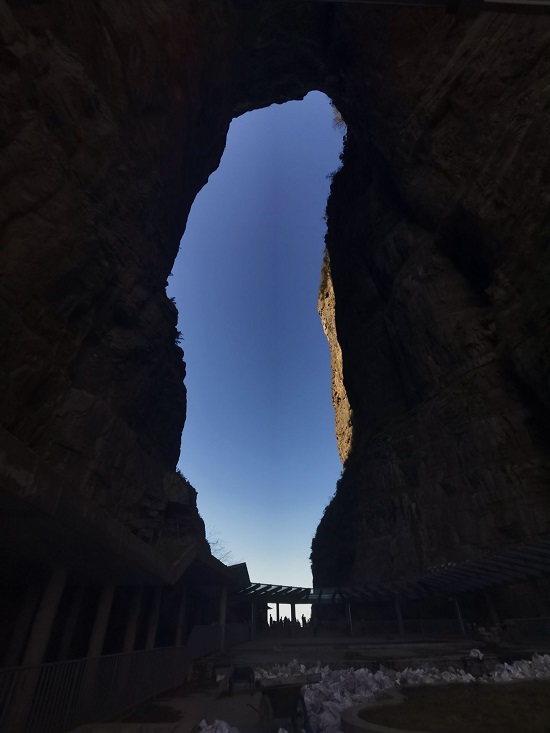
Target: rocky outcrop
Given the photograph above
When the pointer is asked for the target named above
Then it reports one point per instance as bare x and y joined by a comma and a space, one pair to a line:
94, 198
112, 117
437, 235
342, 412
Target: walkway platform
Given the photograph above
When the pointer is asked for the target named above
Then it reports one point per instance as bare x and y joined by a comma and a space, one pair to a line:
180, 711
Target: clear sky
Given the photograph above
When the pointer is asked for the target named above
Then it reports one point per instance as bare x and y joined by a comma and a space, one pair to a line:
259, 443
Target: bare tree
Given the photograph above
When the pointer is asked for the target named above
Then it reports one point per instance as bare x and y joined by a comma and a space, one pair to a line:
218, 548
338, 120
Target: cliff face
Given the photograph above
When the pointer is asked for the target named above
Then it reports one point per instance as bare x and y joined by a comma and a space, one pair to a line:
438, 240
112, 117
97, 156
342, 412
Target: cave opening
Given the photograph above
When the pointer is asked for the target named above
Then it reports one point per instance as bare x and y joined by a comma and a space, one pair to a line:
259, 442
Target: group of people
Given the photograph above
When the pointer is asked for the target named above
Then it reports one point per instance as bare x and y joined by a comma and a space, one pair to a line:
287, 624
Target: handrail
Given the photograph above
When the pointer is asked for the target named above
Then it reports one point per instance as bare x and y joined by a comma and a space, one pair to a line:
471, 7
58, 696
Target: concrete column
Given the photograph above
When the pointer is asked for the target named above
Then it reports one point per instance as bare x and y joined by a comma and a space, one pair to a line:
22, 625
278, 617
133, 618
459, 616
16, 716
43, 621
492, 608
253, 620
153, 618
350, 622
400, 625
180, 625
292, 612
70, 623
223, 616
97, 637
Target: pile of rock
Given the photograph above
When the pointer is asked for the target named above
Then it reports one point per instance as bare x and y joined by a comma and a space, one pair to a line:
340, 689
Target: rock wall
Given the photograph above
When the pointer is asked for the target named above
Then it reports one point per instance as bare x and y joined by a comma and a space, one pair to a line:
343, 417
112, 117
438, 235
97, 154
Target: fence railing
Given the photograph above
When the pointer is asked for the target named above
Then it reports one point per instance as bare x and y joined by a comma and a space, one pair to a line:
447, 627
237, 634
439, 627
58, 696
376, 627
527, 630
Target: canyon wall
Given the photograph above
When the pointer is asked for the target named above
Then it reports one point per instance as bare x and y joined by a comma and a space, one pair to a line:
435, 300
438, 234
112, 117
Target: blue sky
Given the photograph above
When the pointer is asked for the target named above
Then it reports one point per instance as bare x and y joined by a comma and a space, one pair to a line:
258, 443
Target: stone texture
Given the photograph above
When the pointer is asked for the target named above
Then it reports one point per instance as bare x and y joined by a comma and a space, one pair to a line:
343, 418
437, 235
112, 117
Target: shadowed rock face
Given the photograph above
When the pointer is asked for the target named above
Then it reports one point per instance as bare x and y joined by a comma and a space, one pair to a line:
438, 241
112, 117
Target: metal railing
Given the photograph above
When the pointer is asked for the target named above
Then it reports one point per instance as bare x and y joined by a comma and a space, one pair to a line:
206, 639
237, 634
57, 696
376, 627
446, 627
527, 630
437, 627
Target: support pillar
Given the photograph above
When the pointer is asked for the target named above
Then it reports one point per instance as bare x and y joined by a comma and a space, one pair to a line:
43, 621
223, 616
97, 637
492, 608
253, 621
153, 618
133, 617
293, 612
35, 650
350, 622
459, 616
70, 623
95, 645
399, 615
278, 617
180, 625
22, 625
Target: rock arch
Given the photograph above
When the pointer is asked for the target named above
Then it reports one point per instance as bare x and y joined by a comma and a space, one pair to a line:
115, 114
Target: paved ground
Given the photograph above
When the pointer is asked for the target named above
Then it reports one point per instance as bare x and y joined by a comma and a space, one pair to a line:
184, 709
344, 651
181, 711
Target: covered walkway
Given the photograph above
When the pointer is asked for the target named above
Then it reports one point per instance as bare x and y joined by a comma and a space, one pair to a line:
94, 619
464, 7
516, 564
528, 561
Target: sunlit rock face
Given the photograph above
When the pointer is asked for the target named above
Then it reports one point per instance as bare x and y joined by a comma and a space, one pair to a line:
438, 236
342, 412
114, 114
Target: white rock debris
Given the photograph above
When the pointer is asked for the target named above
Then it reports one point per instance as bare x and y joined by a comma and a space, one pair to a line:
342, 688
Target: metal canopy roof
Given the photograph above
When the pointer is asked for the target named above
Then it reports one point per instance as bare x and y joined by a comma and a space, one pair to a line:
516, 564
469, 7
